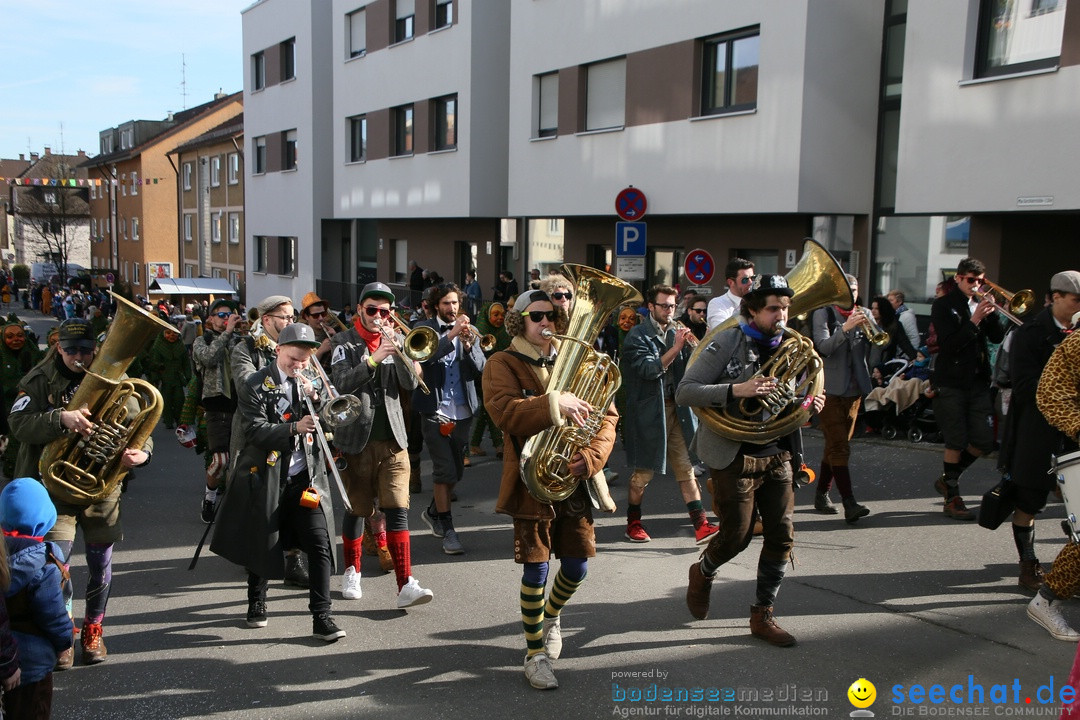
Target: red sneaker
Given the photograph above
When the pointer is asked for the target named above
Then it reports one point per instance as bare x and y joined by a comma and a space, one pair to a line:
704, 532
635, 532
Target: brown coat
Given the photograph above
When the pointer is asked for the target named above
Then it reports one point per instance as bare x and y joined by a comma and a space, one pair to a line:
519, 405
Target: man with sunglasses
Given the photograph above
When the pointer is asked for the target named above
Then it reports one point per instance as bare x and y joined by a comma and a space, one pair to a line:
316, 313
451, 373
738, 275
964, 324
656, 431
694, 317
38, 417
365, 364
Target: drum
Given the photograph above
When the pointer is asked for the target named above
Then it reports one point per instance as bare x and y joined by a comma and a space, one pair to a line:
1066, 468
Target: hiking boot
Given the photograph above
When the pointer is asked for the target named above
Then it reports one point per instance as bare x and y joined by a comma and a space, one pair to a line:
635, 532
256, 614
451, 545
703, 533
1031, 575
433, 522
824, 505
65, 659
324, 628
1046, 613
386, 560
956, 509
853, 511
763, 625
553, 636
350, 584
412, 594
697, 592
296, 572
93, 646
539, 673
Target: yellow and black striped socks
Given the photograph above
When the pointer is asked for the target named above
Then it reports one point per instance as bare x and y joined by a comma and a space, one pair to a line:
561, 592
532, 617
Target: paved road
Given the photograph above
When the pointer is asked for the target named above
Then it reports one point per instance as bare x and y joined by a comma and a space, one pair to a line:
905, 598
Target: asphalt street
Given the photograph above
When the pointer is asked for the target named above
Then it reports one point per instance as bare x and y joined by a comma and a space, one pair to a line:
906, 599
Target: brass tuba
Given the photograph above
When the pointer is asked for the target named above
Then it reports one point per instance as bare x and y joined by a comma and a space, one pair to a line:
818, 280
581, 370
83, 471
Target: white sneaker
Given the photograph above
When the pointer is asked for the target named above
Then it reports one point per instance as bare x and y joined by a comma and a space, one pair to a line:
553, 637
350, 584
1046, 613
412, 594
539, 673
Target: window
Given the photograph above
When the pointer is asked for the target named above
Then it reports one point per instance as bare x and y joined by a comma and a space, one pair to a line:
261, 252
187, 228
134, 228
356, 22
234, 228
216, 272
234, 279
730, 72
189, 271
134, 183
215, 170
286, 256
106, 144
403, 130
93, 191
444, 13
605, 95
288, 59
123, 227
234, 168
49, 197
446, 122
123, 184
1013, 39
135, 272
93, 228
258, 71
405, 14
288, 160
215, 228
260, 155
547, 105
187, 176
358, 138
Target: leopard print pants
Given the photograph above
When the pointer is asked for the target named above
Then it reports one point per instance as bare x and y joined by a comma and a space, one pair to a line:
1064, 578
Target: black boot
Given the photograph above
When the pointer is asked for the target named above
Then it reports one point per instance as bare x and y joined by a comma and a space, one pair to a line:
853, 510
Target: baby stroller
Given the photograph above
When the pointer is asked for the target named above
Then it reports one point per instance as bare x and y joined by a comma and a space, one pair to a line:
900, 407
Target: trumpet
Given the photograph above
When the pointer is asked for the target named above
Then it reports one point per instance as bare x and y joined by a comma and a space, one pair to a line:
1019, 302
691, 339
874, 332
390, 336
487, 342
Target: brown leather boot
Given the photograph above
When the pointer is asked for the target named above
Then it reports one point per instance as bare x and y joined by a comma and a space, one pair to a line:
697, 592
763, 625
93, 646
1031, 575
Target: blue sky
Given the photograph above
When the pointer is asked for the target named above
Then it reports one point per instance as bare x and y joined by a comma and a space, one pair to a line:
92, 65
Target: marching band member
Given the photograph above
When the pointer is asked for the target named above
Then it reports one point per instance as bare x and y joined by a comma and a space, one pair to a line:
316, 313
745, 475
37, 418
515, 396
365, 364
281, 475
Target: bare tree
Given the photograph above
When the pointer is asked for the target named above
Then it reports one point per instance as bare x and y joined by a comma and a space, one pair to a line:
52, 213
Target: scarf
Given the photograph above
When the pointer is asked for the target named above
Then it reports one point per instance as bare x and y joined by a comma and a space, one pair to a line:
371, 338
844, 313
750, 331
526, 348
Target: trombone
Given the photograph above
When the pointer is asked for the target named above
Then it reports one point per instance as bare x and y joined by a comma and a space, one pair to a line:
1019, 302
328, 455
425, 346
333, 322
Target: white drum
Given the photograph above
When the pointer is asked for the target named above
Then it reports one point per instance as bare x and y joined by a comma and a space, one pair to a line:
1067, 470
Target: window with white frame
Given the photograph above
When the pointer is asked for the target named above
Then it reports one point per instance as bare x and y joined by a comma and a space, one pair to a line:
123, 184
357, 28
123, 227
405, 15
134, 183
216, 272
1019, 37
93, 191
134, 228
187, 176
215, 227
259, 166
234, 168
444, 13
135, 272
358, 138
234, 279
547, 105
258, 71
215, 171
605, 95
93, 228
187, 227
234, 228
189, 270
49, 196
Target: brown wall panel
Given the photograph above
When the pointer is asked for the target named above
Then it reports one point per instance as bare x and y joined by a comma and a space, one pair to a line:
380, 140
1070, 40
657, 86
380, 25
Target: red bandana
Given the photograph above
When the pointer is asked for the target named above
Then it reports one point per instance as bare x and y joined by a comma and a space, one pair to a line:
371, 338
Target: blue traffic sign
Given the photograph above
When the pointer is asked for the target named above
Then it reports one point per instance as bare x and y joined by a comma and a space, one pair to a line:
630, 239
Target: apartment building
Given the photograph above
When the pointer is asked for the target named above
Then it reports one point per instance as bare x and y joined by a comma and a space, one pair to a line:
902, 134
134, 211
211, 201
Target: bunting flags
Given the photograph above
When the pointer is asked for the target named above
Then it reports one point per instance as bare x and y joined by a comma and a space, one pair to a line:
73, 182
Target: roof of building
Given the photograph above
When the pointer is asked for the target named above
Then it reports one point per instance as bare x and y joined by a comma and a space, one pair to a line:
233, 127
191, 286
13, 168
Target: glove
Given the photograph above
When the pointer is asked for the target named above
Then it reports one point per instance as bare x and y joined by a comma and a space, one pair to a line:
185, 435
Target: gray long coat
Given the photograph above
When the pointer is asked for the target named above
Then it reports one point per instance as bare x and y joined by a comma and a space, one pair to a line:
247, 522
644, 436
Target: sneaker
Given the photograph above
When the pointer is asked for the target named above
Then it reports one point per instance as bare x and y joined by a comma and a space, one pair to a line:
209, 509
296, 572
433, 522
93, 646
539, 673
324, 628
635, 532
553, 636
65, 659
824, 505
1046, 613
703, 533
350, 584
451, 545
412, 594
956, 509
256, 614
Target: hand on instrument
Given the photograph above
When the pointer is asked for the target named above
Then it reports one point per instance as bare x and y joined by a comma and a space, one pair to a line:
854, 321
306, 387
577, 466
984, 308
819, 403
754, 387
575, 410
230, 324
305, 424
386, 347
681, 338
461, 325
133, 458
77, 421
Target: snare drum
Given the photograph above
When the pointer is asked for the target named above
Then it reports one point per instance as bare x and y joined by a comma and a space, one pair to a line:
1066, 468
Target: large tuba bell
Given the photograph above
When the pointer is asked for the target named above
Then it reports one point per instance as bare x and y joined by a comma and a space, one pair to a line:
83, 471
818, 280
581, 370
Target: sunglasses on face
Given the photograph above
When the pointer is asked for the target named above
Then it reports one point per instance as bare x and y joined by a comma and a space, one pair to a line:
538, 315
746, 280
563, 295
223, 315
317, 315
372, 311
697, 309
972, 280
78, 351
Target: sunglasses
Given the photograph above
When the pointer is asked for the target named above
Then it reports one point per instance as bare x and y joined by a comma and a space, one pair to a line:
697, 309
972, 280
372, 311
317, 315
78, 351
538, 315
563, 295
223, 315
746, 279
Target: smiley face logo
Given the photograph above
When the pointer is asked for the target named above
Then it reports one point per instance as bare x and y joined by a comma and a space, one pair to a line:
862, 693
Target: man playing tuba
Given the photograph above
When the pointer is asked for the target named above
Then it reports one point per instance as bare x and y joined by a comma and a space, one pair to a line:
39, 417
745, 474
